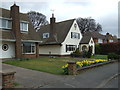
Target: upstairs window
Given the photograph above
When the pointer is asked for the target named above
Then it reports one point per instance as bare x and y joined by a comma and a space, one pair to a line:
5, 23
75, 35
23, 26
45, 35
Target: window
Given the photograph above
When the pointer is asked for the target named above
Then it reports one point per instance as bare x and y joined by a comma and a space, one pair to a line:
5, 23
28, 48
110, 40
5, 47
71, 47
100, 41
75, 35
45, 35
24, 26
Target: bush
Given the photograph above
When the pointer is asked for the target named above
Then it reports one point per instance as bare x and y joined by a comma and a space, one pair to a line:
113, 56
76, 53
87, 54
107, 48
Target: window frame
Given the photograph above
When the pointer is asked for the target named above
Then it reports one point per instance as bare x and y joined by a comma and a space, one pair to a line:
22, 24
70, 48
7, 22
75, 35
31, 48
44, 35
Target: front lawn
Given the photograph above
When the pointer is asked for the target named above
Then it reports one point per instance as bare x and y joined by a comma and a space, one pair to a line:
47, 64
99, 57
44, 64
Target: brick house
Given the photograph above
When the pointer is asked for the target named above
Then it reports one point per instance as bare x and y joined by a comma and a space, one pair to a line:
100, 38
20, 40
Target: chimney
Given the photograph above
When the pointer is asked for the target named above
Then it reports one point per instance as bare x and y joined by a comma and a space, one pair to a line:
53, 34
16, 29
107, 33
52, 26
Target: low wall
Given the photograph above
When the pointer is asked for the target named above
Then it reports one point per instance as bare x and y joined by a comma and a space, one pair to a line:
8, 79
72, 70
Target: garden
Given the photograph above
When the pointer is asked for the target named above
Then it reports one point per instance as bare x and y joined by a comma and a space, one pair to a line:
55, 65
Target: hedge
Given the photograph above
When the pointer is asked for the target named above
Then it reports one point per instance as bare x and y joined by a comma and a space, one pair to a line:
108, 48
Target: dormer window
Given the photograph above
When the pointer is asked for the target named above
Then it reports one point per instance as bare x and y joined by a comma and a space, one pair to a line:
5, 23
45, 35
24, 26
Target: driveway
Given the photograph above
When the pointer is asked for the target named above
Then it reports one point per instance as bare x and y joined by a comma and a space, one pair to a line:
100, 77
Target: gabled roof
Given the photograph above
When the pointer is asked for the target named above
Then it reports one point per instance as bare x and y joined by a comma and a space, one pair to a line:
94, 35
9, 34
62, 29
85, 40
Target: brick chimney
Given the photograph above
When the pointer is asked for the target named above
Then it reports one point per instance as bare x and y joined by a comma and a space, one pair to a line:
53, 34
52, 26
16, 29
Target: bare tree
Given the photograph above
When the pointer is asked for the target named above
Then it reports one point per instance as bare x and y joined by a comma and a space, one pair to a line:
37, 19
88, 24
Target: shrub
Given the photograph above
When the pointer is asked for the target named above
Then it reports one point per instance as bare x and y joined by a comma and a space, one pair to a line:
87, 54
98, 48
113, 56
76, 53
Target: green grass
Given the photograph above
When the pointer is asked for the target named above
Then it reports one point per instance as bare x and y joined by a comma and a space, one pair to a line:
99, 57
47, 64
44, 64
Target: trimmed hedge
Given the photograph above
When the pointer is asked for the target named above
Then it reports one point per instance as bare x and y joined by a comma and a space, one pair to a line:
108, 48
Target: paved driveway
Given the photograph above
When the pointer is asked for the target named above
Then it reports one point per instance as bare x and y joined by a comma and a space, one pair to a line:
93, 78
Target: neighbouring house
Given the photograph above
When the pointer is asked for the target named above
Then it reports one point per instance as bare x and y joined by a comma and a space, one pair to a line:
20, 40
100, 38
86, 42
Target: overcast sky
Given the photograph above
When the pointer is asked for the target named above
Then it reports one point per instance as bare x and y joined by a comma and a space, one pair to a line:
104, 12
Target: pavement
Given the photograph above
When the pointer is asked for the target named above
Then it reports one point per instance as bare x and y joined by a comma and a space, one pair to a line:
105, 76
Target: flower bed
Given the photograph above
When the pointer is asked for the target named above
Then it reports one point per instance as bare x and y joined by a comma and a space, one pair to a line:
83, 63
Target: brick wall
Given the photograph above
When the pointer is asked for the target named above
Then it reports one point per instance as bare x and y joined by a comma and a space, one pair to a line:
8, 79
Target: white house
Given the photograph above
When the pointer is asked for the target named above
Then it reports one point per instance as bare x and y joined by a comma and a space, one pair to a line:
86, 42
59, 39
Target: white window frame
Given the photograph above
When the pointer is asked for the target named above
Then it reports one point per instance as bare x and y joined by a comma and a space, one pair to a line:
100, 41
75, 35
110, 40
44, 35
32, 44
22, 23
6, 21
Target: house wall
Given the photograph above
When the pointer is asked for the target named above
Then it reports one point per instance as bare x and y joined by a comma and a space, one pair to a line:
54, 49
10, 53
89, 44
93, 45
69, 40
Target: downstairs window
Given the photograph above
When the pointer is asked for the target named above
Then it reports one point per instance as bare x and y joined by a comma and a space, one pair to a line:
28, 48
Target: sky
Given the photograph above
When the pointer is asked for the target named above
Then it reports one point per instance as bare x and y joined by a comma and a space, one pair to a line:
104, 12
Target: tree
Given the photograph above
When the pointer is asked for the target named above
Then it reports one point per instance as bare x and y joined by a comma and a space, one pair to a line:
88, 24
37, 19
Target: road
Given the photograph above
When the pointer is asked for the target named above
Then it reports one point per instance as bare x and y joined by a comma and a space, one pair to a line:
100, 77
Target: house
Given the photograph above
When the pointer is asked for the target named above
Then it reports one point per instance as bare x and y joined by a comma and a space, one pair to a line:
100, 38
59, 38
86, 42
18, 38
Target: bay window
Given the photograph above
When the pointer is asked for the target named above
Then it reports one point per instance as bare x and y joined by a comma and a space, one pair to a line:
28, 48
